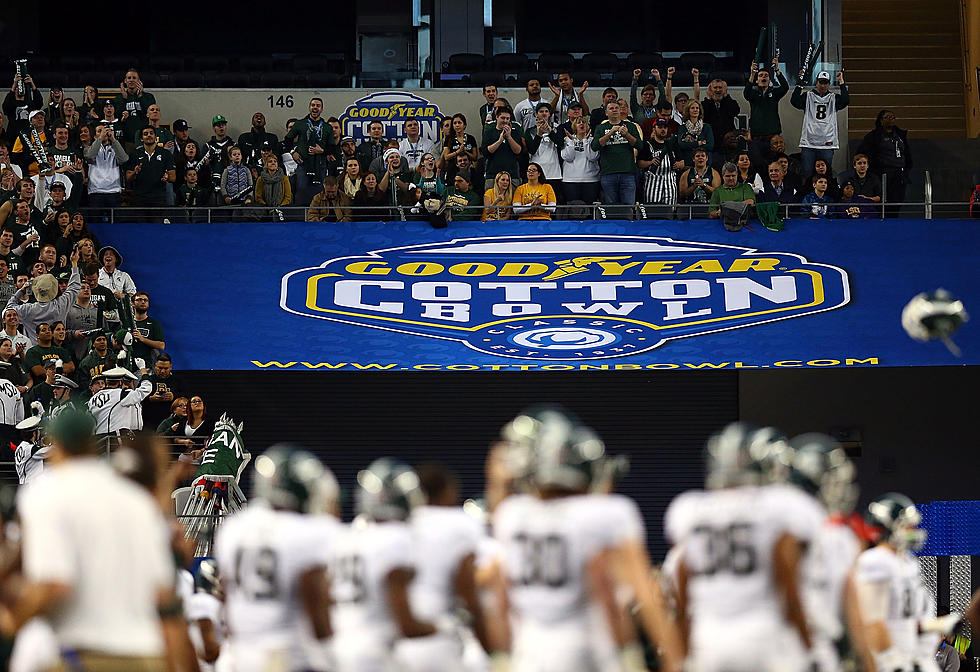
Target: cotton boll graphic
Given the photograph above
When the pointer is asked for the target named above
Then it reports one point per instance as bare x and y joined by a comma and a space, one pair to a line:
934, 315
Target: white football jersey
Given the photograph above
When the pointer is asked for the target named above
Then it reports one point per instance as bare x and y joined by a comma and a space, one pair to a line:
900, 572
360, 563
819, 121
29, 460
826, 566
728, 538
547, 546
262, 553
442, 537
200, 607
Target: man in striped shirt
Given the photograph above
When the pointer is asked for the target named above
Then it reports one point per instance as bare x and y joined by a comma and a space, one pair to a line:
660, 161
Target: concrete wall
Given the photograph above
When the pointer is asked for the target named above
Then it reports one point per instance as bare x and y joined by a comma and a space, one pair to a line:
238, 105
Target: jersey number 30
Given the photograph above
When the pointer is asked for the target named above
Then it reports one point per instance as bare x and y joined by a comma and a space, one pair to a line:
544, 560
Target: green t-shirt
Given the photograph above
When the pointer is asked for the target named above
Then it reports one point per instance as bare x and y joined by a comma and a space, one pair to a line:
469, 200
151, 329
504, 159
739, 192
37, 355
616, 156
92, 365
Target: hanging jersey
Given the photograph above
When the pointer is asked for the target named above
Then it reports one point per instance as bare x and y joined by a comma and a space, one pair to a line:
547, 546
29, 461
819, 121
116, 409
262, 554
360, 563
728, 537
11, 403
900, 577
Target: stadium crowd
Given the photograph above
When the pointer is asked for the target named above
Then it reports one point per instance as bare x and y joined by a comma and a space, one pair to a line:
658, 148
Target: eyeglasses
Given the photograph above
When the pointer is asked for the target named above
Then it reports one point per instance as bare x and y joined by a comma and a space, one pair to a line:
890, 117
197, 401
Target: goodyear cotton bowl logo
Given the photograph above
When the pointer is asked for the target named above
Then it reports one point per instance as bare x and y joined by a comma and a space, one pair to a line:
564, 297
392, 109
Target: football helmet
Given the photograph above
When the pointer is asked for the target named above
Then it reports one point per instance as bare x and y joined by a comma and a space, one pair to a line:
932, 315
290, 477
819, 465
895, 520
388, 490
208, 580
741, 454
560, 450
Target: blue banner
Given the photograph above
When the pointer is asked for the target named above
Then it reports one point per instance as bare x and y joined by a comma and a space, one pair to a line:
548, 296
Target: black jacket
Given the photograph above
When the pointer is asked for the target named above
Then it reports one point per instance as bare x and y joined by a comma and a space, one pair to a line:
869, 147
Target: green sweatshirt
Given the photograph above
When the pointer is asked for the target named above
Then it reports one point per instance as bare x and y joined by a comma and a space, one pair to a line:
616, 156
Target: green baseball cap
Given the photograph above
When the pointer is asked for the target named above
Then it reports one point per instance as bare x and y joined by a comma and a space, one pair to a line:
218, 119
71, 427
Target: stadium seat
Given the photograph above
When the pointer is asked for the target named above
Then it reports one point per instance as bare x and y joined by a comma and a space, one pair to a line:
622, 78
103, 80
465, 63
449, 80
325, 80
542, 77
553, 62
313, 63
256, 64
486, 77
281, 79
223, 79
685, 78
601, 61
592, 77
702, 61
731, 77
121, 64
187, 80
150, 79
166, 64
644, 61
205, 63
75, 64
511, 63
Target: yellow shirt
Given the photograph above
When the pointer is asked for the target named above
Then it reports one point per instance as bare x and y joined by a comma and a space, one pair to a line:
500, 211
525, 194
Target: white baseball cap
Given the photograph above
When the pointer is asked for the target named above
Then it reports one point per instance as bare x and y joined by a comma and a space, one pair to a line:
823, 74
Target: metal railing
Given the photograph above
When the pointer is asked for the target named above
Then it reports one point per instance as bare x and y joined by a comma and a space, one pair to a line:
926, 209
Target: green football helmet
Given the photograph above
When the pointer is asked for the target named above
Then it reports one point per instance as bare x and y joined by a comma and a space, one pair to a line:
292, 478
560, 451
819, 465
742, 454
895, 519
388, 490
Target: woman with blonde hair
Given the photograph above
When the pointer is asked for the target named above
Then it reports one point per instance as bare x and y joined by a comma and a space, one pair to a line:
694, 133
499, 200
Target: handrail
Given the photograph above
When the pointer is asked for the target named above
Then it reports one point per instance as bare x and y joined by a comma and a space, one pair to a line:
928, 212
573, 212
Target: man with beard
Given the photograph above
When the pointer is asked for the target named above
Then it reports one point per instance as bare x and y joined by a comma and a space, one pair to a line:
132, 103
314, 141
251, 144
659, 159
524, 110
97, 361
45, 350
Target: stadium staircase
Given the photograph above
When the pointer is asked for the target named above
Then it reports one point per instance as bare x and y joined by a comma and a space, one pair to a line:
907, 56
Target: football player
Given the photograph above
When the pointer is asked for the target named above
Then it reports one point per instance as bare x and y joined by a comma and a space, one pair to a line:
821, 468
273, 556
738, 593
202, 609
558, 546
445, 539
889, 583
371, 571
